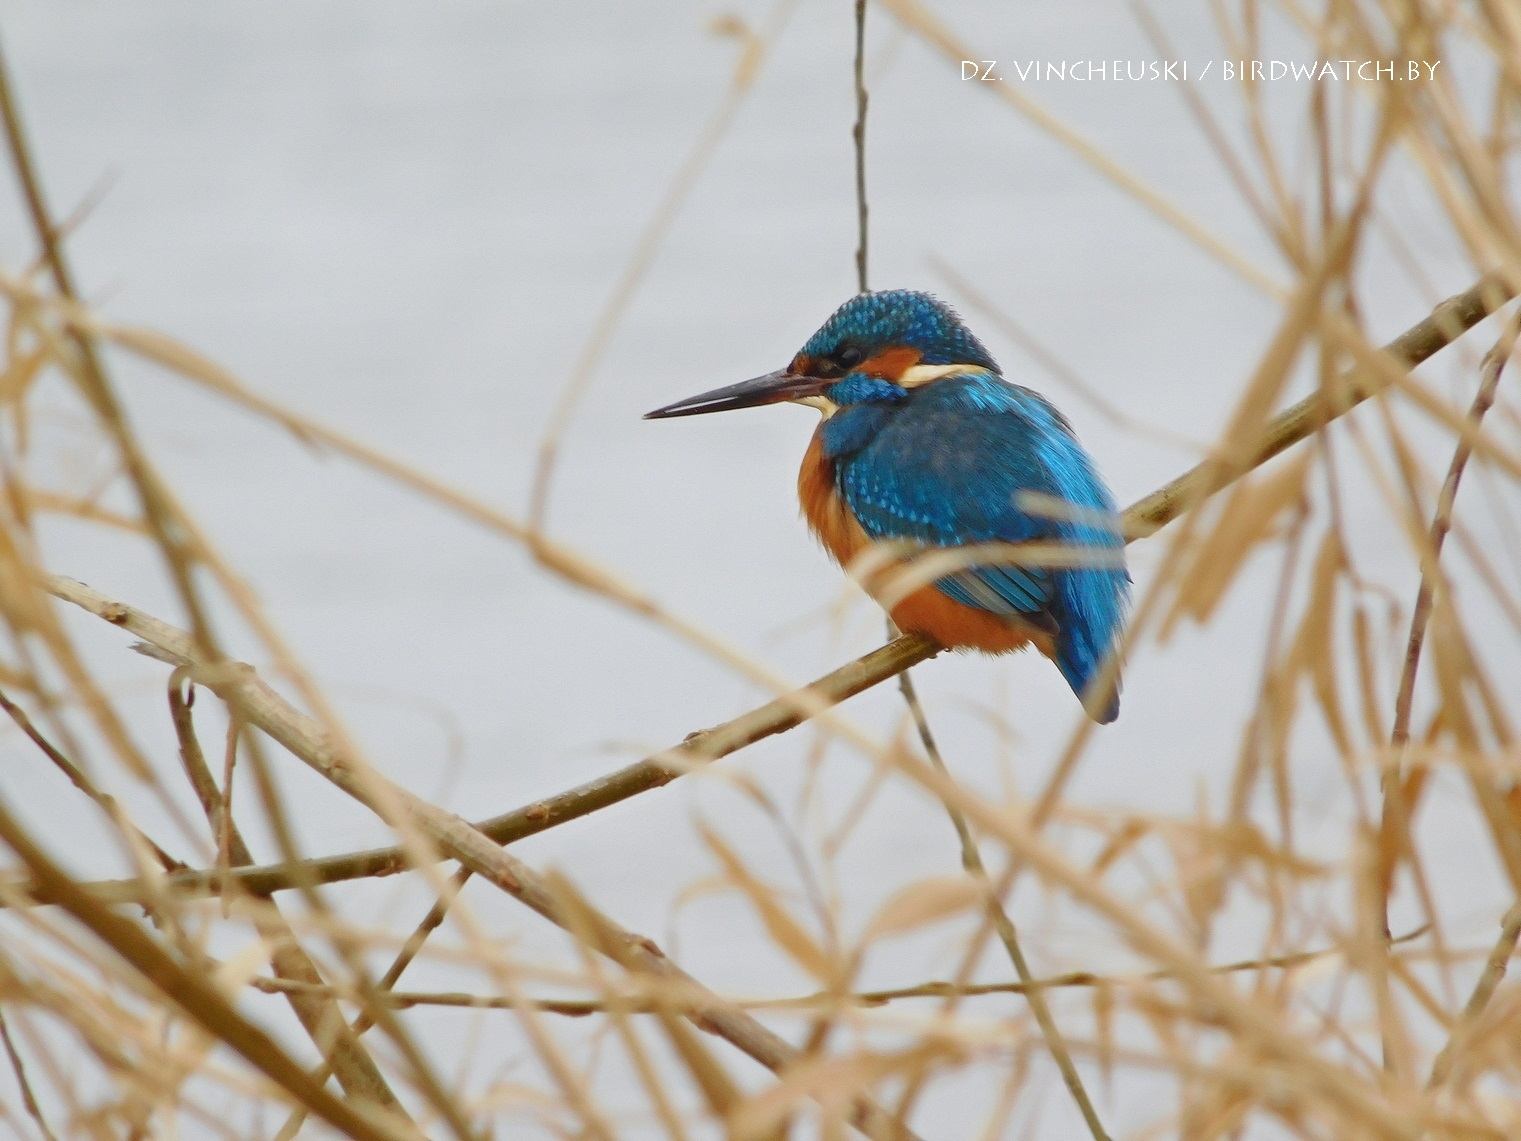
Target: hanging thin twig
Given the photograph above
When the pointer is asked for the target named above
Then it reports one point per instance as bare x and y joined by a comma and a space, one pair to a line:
1395, 825
971, 860
858, 133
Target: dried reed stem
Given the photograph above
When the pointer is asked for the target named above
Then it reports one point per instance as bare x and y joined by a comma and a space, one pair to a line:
28, 1098
319, 1015
1483, 991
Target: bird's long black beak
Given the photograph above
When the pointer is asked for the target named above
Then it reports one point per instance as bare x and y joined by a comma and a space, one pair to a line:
772, 388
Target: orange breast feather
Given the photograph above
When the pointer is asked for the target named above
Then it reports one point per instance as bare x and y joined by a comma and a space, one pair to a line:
926, 610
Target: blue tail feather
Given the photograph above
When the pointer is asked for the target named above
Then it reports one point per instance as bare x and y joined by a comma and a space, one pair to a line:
1092, 605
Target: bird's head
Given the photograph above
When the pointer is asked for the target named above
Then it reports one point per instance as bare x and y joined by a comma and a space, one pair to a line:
876, 347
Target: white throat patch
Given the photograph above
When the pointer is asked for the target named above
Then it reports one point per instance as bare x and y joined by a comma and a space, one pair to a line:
826, 407
924, 373
919, 374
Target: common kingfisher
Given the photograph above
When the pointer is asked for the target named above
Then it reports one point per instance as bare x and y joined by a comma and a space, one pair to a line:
924, 443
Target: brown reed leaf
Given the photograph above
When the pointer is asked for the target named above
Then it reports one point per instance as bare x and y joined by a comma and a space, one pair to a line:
1130, 832
927, 901
1453, 671
1247, 519
1312, 652
832, 1082
16, 381
1103, 1022
1367, 674
785, 931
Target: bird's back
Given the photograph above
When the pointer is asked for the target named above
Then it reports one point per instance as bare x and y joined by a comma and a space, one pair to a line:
944, 467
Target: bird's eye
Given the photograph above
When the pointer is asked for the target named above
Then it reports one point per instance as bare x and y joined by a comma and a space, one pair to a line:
849, 356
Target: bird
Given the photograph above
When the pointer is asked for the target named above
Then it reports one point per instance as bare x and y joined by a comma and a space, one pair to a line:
923, 446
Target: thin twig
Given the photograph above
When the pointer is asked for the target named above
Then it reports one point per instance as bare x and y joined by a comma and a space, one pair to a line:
1484, 989
858, 134
28, 1099
637, 1002
76, 776
971, 860
220, 816
1441, 523
1395, 824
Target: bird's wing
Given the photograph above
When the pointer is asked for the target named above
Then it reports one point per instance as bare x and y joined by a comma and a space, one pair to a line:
948, 476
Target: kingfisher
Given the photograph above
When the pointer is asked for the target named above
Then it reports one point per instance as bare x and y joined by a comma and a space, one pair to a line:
924, 446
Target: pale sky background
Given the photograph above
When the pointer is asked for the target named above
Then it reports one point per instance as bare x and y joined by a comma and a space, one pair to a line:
403, 219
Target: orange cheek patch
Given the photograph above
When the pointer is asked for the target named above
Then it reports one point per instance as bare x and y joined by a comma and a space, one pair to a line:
892, 364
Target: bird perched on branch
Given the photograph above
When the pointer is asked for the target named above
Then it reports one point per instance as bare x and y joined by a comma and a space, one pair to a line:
925, 448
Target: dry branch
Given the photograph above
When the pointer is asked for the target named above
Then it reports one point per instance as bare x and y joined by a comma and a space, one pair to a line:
645, 1003
323, 1021
249, 698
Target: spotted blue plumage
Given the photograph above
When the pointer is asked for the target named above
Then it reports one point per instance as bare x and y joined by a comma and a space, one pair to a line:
901, 317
